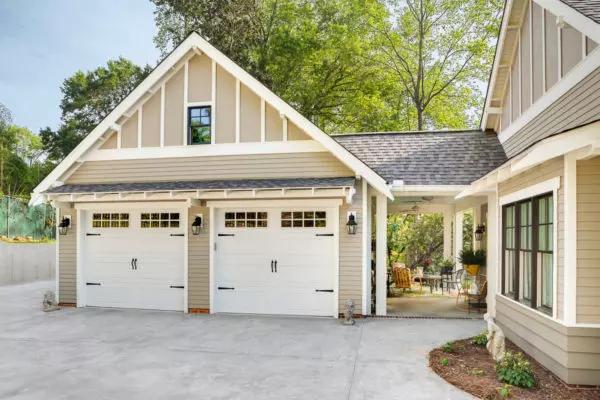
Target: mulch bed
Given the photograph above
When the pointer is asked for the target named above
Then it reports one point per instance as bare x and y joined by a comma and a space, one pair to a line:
472, 369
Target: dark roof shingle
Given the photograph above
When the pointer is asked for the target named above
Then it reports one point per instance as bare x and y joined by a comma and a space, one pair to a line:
589, 8
427, 158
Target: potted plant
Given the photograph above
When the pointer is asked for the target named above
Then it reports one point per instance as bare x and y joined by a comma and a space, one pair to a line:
472, 260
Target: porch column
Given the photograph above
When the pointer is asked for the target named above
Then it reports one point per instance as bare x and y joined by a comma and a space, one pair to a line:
493, 246
448, 217
570, 241
381, 255
458, 236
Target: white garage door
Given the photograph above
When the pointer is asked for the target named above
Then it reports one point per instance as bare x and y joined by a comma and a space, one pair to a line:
275, 261
134, 259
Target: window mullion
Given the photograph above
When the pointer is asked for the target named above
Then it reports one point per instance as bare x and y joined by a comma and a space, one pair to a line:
517, 254
504, 227
535, 221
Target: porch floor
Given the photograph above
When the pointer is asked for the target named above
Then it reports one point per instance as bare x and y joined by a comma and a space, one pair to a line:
427, 305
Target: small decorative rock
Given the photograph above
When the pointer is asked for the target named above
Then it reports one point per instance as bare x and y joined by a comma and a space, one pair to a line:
49, 303
496, 340
349, 313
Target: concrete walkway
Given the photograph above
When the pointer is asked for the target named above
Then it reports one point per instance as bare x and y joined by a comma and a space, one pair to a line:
129, 354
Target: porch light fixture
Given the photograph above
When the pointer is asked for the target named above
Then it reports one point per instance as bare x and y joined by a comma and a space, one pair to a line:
64, 225
479, 232
351, 225
197, 225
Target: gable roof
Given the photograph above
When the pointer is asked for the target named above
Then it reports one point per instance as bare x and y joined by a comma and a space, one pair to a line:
194, 42
589, 8
428, 158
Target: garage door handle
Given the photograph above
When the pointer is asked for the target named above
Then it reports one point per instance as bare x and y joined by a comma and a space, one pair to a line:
225, 288
177, 234
275, 266
324, 290
93, 284
272, 262
177, 287
324, 234
92, 234
226, 234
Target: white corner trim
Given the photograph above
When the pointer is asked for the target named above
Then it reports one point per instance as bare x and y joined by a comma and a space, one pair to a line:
222, 149
544, 187
57, 271
238, 110
568, 81
213, 94
211, 260
336, 262
162, 115
184, 219
80, 278
186, 74
570, 238
263, 122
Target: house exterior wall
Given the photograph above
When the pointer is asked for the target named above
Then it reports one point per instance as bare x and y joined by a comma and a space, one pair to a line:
296, 165
151, 121
351, 258
199, 262
588, 241
67, 260
174, 110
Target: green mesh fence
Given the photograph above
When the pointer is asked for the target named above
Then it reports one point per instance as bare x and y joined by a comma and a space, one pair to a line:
18, 219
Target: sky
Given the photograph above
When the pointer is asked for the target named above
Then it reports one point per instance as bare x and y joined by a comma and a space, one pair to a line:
42, 42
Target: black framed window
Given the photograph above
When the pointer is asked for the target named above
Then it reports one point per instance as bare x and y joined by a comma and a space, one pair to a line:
528, 251
199, 124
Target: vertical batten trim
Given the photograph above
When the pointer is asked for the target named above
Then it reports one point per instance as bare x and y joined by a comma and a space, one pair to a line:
238, 110
520, 80
570, 238
119, 139
560, 57
510, 101
530, 53
139, 133
583, 46
162, 115
213, 111
285, 129
186, 70
263, 124
543, 50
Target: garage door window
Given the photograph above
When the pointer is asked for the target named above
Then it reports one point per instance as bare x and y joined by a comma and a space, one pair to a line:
160, 220
110, 220
245, 219
304, 219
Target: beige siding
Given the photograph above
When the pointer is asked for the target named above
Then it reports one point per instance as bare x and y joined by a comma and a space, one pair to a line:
250, 115
151, 122
571, 54
577, 107
225, 107
174, 110
198, 261
298, 165
295, 133
350, 286
67, 260
548, 170
505, 117
111, 142
525, 63
551, 50
200, 79
537, 48
573, 354
129, 132
274, 125
588, 241
514, 93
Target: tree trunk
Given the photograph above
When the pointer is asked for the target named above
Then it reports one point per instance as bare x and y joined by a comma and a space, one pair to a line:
419, 118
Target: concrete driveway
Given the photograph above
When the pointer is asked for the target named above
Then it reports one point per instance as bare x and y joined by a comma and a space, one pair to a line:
129, 354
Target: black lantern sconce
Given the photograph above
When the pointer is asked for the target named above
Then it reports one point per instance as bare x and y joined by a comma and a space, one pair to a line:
197, 225
351, 225
479, 232
64, 225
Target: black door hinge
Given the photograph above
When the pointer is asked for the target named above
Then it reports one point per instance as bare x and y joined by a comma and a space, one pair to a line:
92, 234
177, 234
324, 290
324, 234
225, 288
226, 234
93, 284
177, 287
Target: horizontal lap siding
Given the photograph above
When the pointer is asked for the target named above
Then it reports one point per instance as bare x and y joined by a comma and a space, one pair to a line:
350, 277
67, 260
199, 261
578, 106
588, 241
548, 170
573, 354
296, 165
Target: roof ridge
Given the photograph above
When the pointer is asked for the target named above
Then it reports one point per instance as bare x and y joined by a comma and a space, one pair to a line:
474, 130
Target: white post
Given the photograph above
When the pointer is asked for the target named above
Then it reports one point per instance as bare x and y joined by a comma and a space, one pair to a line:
381, 255
448, 217
493, 245
366, 229
476, 218
458, 236
570, 235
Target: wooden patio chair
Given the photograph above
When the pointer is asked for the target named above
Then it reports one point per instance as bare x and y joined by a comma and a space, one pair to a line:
478, 301
402, 279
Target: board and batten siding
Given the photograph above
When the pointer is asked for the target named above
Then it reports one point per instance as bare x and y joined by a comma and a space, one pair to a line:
297, 165
350, 256
541, 173
588, 241
199, 262
67, 260
572, 353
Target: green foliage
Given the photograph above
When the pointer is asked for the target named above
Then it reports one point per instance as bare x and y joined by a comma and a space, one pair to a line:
505, 391
481, 339
467, 230
444, 361
515, 370
478, 372
416, 240
472, 257
448, 347
461, 347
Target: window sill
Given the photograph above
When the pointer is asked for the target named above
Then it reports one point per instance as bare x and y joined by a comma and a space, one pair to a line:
526, 307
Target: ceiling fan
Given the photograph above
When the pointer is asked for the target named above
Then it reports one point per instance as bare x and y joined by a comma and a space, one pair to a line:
415, 208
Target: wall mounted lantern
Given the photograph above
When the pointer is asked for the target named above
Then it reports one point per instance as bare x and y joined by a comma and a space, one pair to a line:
64, 225
351, 225
197, 225
479, 232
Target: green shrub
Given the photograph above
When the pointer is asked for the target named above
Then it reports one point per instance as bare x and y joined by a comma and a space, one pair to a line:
515, 370
505, 391
461, 347
445, 361
481, 339
448, 347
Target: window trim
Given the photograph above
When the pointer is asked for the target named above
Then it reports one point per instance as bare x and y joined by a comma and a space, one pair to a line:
189, 124
542, 189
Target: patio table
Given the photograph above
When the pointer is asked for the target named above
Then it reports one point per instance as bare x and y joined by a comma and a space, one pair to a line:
432, 281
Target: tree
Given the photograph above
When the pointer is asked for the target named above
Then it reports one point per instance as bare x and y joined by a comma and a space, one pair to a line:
87, 98
440, 52
416, 239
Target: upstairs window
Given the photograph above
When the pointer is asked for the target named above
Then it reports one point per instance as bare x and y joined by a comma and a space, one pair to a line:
199, 122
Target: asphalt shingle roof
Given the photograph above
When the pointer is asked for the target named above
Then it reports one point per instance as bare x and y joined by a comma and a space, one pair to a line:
427, 158
589, 8
206, 185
